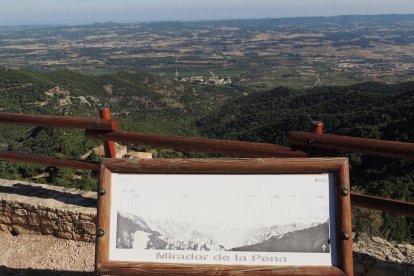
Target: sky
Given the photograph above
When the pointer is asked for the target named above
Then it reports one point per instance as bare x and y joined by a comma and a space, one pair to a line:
77, 12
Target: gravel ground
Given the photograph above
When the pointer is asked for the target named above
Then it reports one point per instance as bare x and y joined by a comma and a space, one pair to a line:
44, 255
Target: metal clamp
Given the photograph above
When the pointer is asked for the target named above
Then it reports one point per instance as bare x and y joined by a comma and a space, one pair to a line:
101, 192
345, 236
344, 192
100, 233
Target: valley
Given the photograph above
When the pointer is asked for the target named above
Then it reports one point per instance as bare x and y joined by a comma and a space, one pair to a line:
355, 73
254, 53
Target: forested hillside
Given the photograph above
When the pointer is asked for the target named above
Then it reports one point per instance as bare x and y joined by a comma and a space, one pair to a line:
154, 104
139, 100
371, 110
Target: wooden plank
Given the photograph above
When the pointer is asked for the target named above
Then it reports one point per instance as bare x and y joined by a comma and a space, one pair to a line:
49, 161
221, 165
103, 217
351, 144
383, 204
247, 149
365, 201
109, 146
58, 121
345, 226
119, 268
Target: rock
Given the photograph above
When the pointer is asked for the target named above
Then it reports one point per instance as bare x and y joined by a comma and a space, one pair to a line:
20, 212
34, 219
19, 219
25, 229
45, 221
5, 228
379, 240
86, 217
88, 228
47, 230
5, 219
67, 227
67, 218
51, 215
63, 235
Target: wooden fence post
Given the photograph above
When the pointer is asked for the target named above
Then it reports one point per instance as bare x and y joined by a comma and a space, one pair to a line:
317, 127
109, 146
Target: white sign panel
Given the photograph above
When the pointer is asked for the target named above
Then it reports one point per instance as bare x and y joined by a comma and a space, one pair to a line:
263, 219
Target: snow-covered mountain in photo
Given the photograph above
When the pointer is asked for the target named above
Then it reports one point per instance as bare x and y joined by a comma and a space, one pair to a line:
170, 234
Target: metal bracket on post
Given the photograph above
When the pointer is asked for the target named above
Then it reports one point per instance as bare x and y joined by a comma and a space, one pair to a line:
109, 146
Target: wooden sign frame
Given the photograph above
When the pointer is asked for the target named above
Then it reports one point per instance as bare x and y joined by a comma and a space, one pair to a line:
337, 166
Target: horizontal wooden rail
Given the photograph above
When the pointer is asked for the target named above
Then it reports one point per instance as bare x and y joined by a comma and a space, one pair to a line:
58, 121
247, 149
49, 161
383, 204
365, 201
351, 144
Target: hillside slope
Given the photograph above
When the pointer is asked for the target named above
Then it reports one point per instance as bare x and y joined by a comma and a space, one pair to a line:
131, 94
140, 102
371, 110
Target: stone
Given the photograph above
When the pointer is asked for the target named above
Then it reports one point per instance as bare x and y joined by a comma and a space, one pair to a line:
34, 219
5, 228
7, 209
67, 218
45, 221
56, 226
25, 229
20, 212
85, 217
25, 206
19, 219
87, 238
381, 241
52, 216
42, 213
5, 219
77, 236
63, 235
392, 259
67, 227
88, 228
399, 255
46, 230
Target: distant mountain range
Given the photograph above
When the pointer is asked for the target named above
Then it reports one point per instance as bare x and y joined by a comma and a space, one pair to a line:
185, 235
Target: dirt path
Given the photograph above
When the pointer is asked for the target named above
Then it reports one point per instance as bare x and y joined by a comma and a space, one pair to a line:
44, 255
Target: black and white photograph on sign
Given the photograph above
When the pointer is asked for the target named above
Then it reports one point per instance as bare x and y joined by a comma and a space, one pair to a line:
248, 219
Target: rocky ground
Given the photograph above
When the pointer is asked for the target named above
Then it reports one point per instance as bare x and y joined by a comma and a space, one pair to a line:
48, 255
374, 256
44, 255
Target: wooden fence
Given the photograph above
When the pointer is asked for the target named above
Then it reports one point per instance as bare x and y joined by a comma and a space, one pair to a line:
305, 144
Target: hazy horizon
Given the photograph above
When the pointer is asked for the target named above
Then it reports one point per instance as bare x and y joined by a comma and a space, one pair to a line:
80, 12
